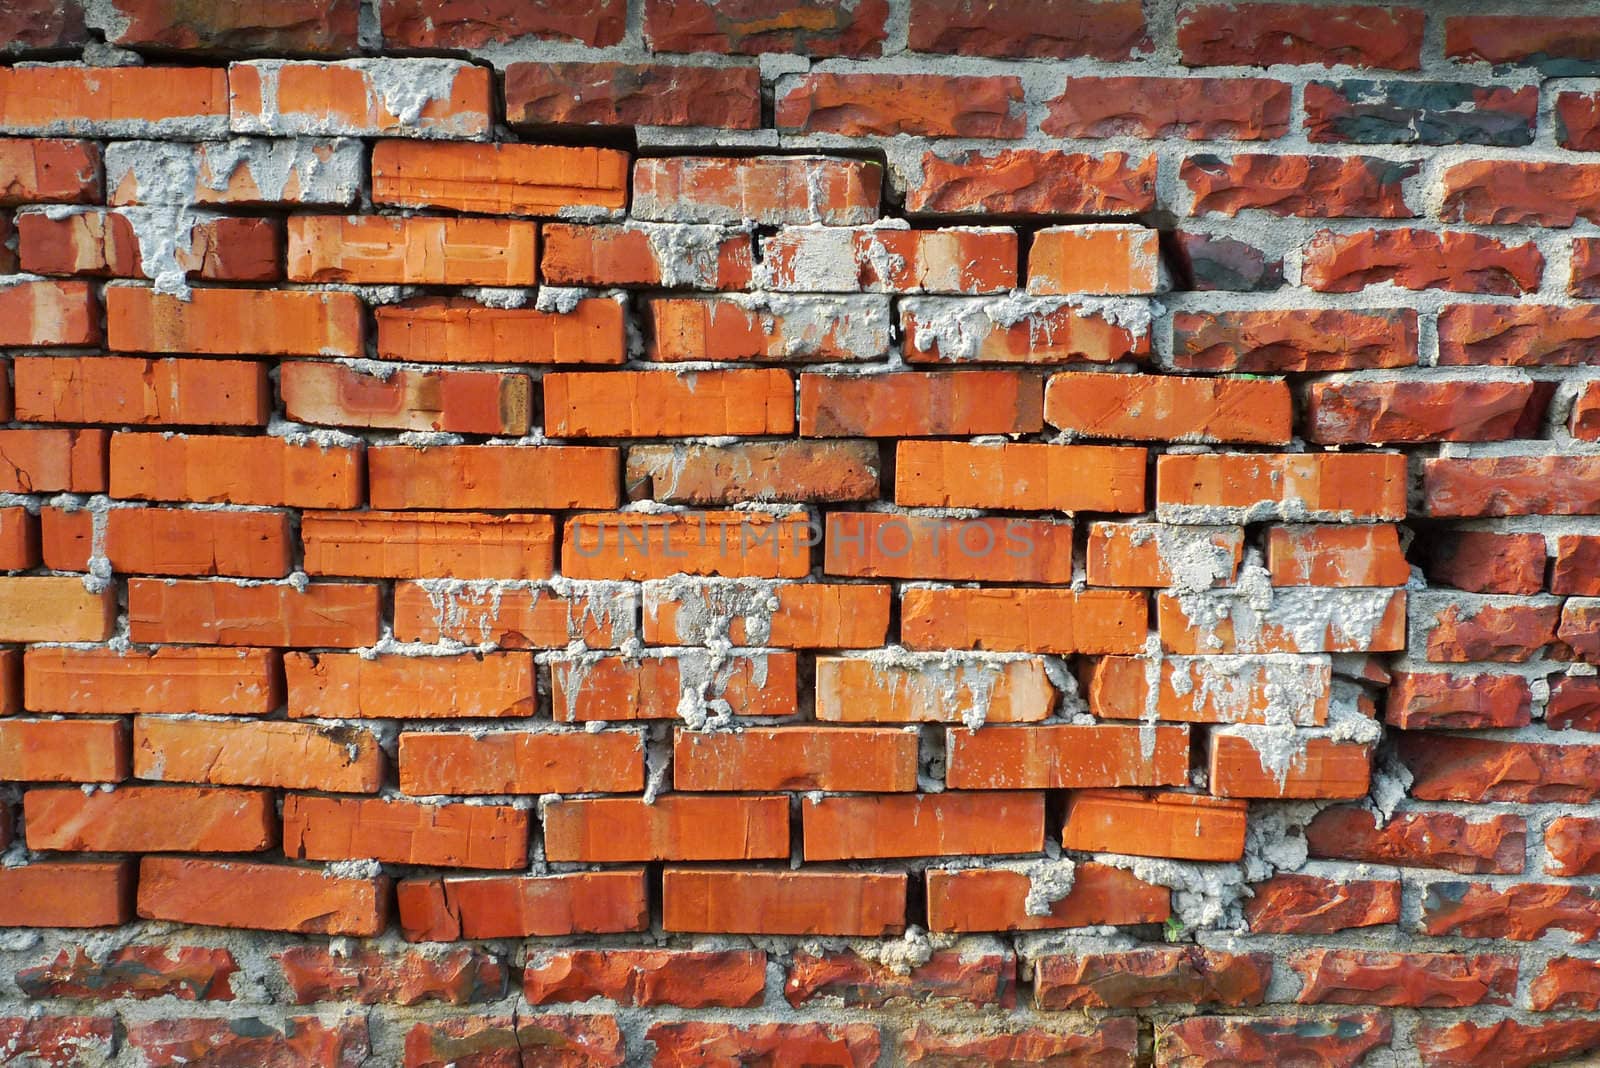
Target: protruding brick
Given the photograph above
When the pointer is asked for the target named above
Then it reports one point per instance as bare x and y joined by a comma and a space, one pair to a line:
1212, 689
341, 615
1068, 478
1242, 488
39, 312
131, 390
668, 255
458, 330
996, 899
639, 94
1096, 259
1068, 756
404, 832
151, 819
521, 762
519, 906
672, 827
38, 171
49, 98
1317, 767
763, 327
49, 461
350, 686
413, 250
173, 679
922, 825
66, 894
1158, 554
382, 97
1027, 621
47, 608
240, 171
493, 476
463, 402
235, 322
836, 759
627, 404
499, 179
294, 756
272, 897
767, 190
1294, 620
758, 901
461, 545
1335, 555
168, 541
107, 243
77, 751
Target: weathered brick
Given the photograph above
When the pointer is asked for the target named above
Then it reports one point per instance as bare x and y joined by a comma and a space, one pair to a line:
1066, 756
1518, 335
969, 260
935, 690
234, 322
138, 973
810, 1043
1511, 485
27, 26
1420, 840
1419, 259
788, 615
106, 243
1318, 767
1197, 109
1212, 689
1338, 1041
360, 98
1366, 112
1556, 45
1056, 29
669, 255
1169, 407
1115, 1040
424, 24
996, 899
1033, 182
315, 26
1336, 555
407, 977
832, 28
341, 615
1461, 768
886, 105
1018, 329
1311, 905
1326, 187
1348, 411
765, 327
1514, 191
1435, 700
768, 190
1508, 1042
39, 312
1311, 339
1156, 554
952, 978
906, 545
415, 250
641, 94
1237, 487
779, 471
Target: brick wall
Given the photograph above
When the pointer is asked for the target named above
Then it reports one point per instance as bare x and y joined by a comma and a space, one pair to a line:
799, 533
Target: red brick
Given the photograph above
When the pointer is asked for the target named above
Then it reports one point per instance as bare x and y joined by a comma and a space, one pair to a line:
1488, 562
49, 98
39, 312
520, 762
271, 897
28, 26
1338, 1042
1154, 554
1028, 621
1169, 408
673, 827
1209, 689
588, 1039
1319, 767
169, 541
41, 608
168, 679
1519, 913
749, 27
948, 978
1186, 975
1459, 768
393, 686
1153, 824
1318, 187
107, 244
1334, 487
517, 906
768, 190
642, 545
1104, 258
428, 24
151, 819
1572, 846
994, 899
1511, 485
1113, 1041
589, 689
761, 901
1511, 191
1420, 840
1436, 700
1584, 422
790, 615
19, 539
66, 894
1419, 259
1517, 335
1557, 45
1057, 29
342, 615
76, 751
458, 330
463, 545
782, 471
465, 477
1017, 330
988, 549
1577, 565
624, 94
922, 825
1074, 756
1470, 628
1426, 113
131, 390
1309, 905
1574, 704
972, 260
406, 977
1296, 340
165, 1043
1197, 109
48, 461
668, 255
302, 756
836, 759
464, 402
405, 832
1033, 182
758, 328
624, 404
235, 322
1584, 278
886, 105
844, 1045
1566, 983
514, 617
1263, 35
39, 171
1335, 555
1577, 122
288, 98
136, 973
498, 179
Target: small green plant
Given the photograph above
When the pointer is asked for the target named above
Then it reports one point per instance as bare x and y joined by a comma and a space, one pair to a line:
1173, 929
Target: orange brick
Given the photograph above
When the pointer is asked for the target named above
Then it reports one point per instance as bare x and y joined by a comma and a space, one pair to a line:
10, 686
988, 549
458, 330
107, 243
235, 322
341, 615
521, 762
1109, 258
1026, 621
346, 685
291, 756
39, 171
673, 827
934, 690
642, 545
767, 190
1330, 555
796, 758
1170, 407
130, 389
217, 682
413, 250
755, 901
788, 615
169, 541
668, 255
234, 470
920, 404
404, 832
83, 750
1320, 768
151, 819
1066, 756
978, 899
499, 179
67, 894
50, 461
1212, 689
759, 327
268, 897
520, 906
1068, 478
114, 101
1157, 554
462, 402
49, 608
1043, 330
516, 617
462, 477
922, 825
1231, 487
656, 687
1155, 824
464, 545
778, 471
19, 539
361, 98
1298, 620
41, 313
869, 259
623, 404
